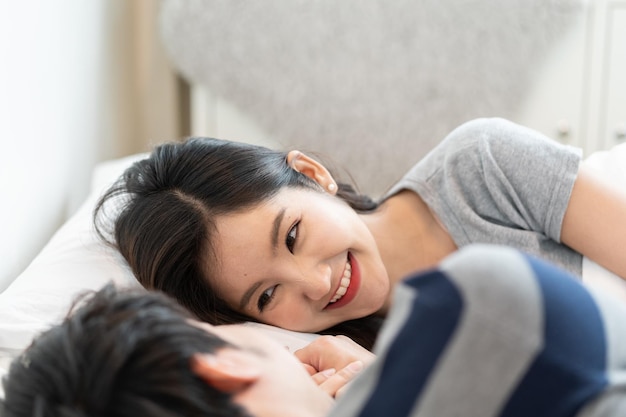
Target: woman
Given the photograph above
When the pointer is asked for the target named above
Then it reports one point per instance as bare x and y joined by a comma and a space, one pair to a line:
238, 232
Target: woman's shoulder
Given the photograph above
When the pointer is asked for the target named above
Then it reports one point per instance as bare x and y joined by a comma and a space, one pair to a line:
497, 140
494, 134
487, 146
461, 150
473, 141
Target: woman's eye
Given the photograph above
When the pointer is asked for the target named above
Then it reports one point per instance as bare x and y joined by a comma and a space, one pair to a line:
290, 241
265, 298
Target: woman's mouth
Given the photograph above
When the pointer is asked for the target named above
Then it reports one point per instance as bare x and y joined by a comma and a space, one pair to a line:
348, 286
344, 284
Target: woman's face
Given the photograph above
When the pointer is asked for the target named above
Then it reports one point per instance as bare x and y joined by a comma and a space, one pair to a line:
303, 261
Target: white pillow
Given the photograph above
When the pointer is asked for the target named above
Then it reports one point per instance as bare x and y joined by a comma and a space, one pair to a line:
75, 260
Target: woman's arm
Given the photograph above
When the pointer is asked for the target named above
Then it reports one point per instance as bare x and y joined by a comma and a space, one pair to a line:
595, 221
333, 361
332, 352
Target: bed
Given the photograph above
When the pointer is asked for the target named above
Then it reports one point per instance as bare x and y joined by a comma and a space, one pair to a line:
75, 261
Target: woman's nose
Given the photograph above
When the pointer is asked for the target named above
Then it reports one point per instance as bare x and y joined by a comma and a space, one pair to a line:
318, 284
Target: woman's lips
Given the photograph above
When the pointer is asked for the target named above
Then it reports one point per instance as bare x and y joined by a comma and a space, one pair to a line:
351, 290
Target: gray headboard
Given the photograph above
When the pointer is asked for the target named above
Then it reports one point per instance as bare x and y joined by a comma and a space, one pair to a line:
373, 84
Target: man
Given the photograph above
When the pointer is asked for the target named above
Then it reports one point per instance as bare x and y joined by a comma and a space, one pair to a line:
491, 332
139, 353
494, 332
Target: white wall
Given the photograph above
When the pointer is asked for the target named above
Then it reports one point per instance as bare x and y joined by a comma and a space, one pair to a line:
75, 79
50, 83
579, 96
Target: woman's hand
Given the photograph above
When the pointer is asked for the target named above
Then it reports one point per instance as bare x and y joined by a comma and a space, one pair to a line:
335, 383
333, 361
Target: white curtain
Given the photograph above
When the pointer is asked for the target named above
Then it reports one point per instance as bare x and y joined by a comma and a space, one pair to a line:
150, 100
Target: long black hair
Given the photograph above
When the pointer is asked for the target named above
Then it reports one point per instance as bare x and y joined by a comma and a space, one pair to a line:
163, 210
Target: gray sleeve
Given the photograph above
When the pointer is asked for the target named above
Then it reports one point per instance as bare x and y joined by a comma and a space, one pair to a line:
490, 176
501, 172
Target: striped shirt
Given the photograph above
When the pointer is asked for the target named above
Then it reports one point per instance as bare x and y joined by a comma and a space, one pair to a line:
495, 332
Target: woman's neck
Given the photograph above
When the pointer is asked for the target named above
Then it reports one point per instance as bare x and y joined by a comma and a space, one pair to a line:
409, 236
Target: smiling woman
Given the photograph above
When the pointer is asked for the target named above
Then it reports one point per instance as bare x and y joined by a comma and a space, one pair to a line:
210, 250
238, 232
297, 261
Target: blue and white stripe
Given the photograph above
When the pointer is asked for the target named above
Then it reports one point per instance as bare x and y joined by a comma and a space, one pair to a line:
494, 332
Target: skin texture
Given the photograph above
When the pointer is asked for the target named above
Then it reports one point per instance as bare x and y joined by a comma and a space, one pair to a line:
257, 371
318, 233
401, 237
594, 221
300, 279
327, 352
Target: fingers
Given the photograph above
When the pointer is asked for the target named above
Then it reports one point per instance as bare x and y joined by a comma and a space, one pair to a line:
335, 383
310, 369
327, 354
322, 376
336, 352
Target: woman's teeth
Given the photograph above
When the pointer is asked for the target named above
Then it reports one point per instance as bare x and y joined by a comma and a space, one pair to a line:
345, 283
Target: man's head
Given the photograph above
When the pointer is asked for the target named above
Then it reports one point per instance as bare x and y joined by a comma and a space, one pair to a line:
129, 353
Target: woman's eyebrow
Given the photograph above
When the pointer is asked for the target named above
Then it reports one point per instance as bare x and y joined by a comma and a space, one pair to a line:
277, 221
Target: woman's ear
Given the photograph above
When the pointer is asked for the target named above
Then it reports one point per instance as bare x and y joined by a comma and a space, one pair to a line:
312, 169
228, 370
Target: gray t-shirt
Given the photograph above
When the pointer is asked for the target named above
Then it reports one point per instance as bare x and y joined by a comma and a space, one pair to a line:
493, 181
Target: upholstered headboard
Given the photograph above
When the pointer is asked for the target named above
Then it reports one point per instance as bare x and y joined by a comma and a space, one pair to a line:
373, 84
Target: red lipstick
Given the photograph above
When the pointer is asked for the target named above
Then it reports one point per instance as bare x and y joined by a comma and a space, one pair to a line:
353, 288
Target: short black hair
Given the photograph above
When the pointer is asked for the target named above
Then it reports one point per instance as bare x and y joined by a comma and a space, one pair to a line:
118, 353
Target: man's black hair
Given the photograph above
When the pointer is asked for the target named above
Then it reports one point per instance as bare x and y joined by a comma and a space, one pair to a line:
120, 353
